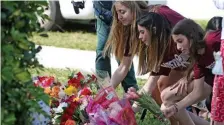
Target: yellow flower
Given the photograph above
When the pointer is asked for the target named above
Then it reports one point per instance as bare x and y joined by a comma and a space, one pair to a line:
76, 99
70, 90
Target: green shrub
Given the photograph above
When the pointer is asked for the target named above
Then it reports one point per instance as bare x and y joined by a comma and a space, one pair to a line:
19, 96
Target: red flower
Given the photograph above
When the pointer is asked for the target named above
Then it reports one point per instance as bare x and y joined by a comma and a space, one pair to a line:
54, 103
74, 104
71, 108
69, 112
94, 77
76, 81
65, 117
62, 123
46, 81
91, 78
70, 99
86, 91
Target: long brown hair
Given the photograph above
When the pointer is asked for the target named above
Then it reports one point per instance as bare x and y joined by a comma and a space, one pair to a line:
121, 36
195, 35
151, 56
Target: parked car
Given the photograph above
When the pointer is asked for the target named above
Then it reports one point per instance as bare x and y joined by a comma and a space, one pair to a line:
62, 11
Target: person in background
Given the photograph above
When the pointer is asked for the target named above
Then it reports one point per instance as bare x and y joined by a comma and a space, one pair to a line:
217, 108
214, 24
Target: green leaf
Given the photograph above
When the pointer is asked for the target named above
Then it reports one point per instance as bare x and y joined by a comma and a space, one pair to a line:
20, 24
3, 113
24, 45
16, 35
10, 118
16, 13
7, 74
3, 16
45, 98
17, 70
7, 48
23, 76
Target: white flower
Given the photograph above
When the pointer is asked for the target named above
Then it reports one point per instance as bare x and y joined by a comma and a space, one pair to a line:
61, 94
59, 109
75, 76
84, 104
55, 118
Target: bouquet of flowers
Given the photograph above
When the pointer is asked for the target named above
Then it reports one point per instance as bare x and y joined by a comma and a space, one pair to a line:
68, 100
107, 109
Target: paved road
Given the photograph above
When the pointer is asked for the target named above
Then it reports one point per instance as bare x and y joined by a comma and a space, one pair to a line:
53, 57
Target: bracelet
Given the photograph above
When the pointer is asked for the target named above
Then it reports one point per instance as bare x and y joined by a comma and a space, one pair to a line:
176, 107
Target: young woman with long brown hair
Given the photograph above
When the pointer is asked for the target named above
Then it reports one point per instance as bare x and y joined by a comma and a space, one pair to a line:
122, 38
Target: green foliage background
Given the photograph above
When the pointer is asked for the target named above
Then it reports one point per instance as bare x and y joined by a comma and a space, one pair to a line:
18, 95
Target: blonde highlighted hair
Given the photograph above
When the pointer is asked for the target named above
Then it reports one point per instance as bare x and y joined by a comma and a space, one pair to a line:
122, 37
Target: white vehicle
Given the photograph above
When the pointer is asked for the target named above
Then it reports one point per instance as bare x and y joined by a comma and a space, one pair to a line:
63, 10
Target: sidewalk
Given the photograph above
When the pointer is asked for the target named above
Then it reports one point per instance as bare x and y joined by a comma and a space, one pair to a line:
53, 57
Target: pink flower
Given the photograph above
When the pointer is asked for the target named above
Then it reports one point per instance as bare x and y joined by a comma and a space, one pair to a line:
132, 94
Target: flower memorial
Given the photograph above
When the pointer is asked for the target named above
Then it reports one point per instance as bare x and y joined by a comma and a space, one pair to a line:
89, 100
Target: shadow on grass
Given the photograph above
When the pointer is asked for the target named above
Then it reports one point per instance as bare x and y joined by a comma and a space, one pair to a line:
76, 27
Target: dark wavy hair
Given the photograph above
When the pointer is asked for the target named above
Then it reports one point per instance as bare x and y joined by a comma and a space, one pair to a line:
195, 35
151, 57
215, 23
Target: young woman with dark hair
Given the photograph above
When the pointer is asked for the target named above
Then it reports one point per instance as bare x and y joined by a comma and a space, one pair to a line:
197, 85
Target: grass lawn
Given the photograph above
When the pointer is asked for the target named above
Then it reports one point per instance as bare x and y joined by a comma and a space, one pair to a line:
74, 40
82, 38
62, 76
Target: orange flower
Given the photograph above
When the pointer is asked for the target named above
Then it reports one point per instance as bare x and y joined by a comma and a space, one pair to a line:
70, 122
47, 90
55, 90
